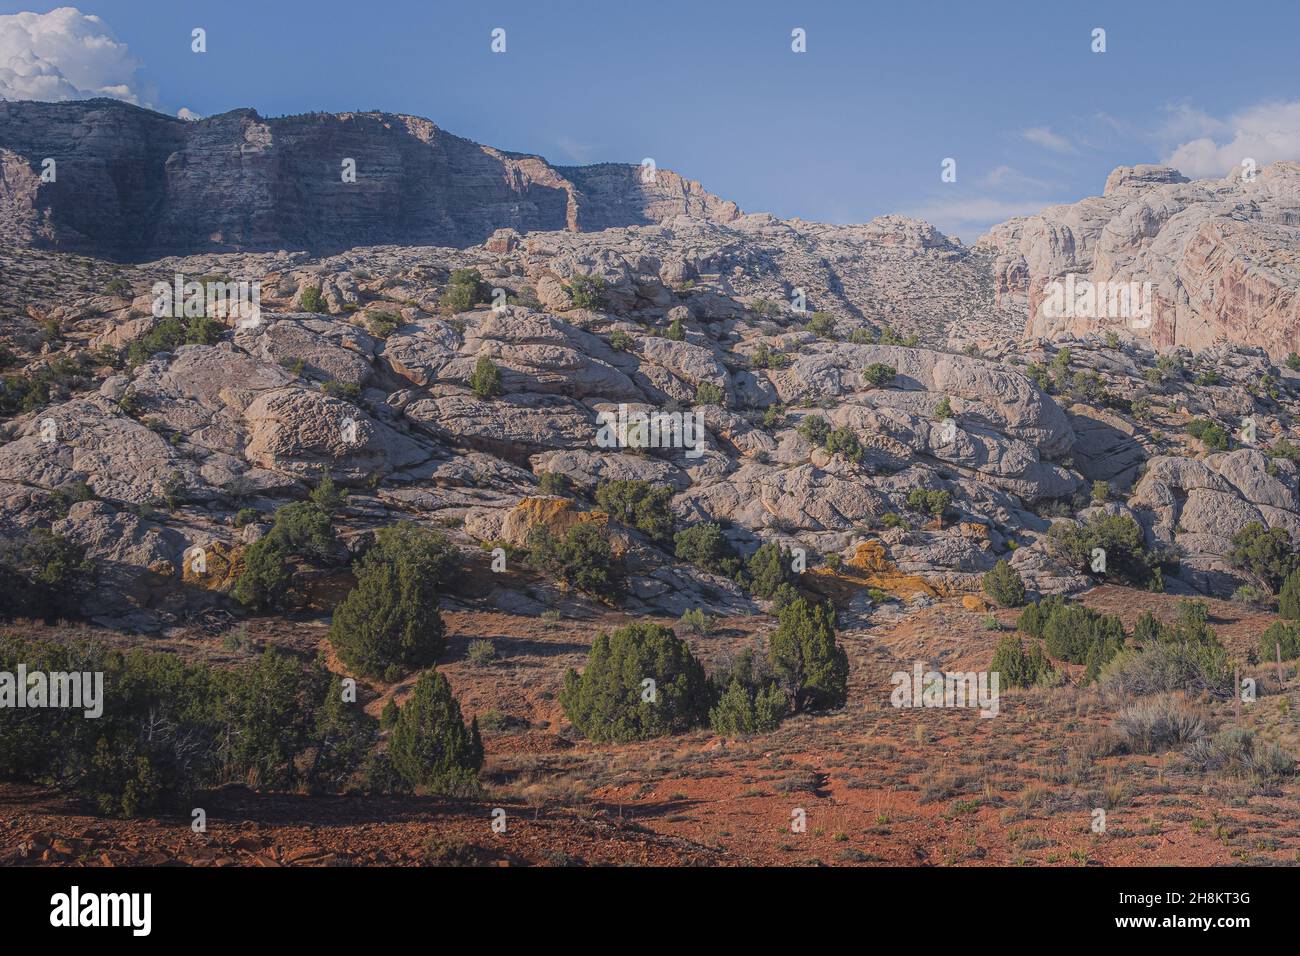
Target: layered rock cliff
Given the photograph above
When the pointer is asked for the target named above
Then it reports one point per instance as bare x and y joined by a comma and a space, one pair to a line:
132, 185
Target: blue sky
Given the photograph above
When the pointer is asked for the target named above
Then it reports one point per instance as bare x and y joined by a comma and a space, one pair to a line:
855, 127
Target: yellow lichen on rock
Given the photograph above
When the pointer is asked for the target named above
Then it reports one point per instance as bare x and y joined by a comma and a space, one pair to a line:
556, 515
870, 567
214, 566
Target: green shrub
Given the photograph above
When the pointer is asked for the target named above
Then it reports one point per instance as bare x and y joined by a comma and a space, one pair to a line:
465, 289
942, 410
169, 334
706, 393
768, 570
1017, 667
610, 700
309, 301
246, 516
748, 710
1263, 552
1100, 491
639, 504
554, 483
587, 292
267, 579
42, 576
815, 429
705, 546
337, 389
933, 503
811, 668
764, 357
1127, 558
844, 441
1005, 585
1210, 433
878, 374
676, 331
581, 557
1288, 598
620, 341
170, 728
485, 380
822, 325
343, 737
430, 746
382, 323
1072, 631
389, 623
1284, 633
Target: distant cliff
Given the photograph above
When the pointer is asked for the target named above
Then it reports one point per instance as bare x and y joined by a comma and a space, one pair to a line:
133, 185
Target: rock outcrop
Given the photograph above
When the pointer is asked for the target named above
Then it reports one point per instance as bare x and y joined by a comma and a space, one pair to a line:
1220, 256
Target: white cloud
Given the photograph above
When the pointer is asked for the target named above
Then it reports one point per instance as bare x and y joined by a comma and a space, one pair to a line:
186, 113
65, 55
970, 218
1008, 177
575, 150
1044, 137
1265, 133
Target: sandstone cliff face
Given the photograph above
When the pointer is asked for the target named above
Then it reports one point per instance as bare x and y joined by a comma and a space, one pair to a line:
1222, 258
133, 185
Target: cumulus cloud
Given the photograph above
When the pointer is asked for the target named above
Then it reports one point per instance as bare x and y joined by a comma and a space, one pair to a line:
65, 55
186, 113
1265, 133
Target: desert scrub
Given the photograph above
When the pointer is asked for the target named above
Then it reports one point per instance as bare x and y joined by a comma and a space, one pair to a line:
878, 374
309, 300
1164, 722
465, 289
485, 380
641, 681
482, 653
581, 558
430, 747
389, 625
1005, 585
587, 292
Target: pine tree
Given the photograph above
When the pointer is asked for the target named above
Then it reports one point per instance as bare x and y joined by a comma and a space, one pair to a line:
389, 623
805, 658
430, 747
